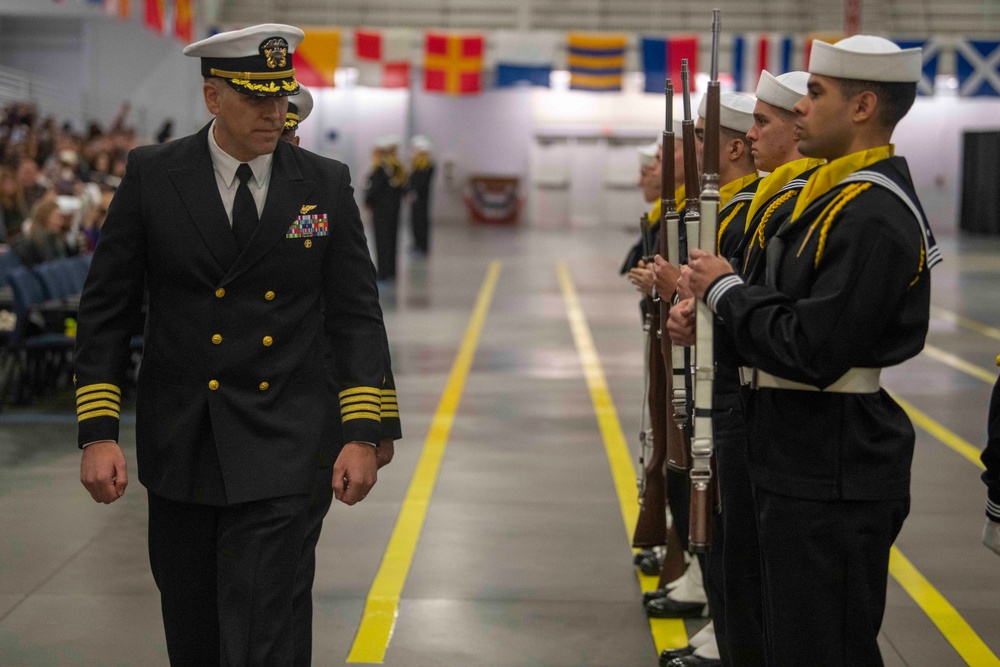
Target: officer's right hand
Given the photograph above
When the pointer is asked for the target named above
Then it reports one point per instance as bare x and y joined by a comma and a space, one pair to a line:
102, 471
991, 536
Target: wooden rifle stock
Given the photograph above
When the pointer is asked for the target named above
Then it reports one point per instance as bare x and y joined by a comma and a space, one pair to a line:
651, 526
703, 489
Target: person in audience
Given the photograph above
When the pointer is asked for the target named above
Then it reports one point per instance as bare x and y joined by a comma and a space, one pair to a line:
45, 238
13, 207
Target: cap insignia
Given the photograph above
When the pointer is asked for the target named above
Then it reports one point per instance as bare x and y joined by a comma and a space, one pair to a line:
275, 51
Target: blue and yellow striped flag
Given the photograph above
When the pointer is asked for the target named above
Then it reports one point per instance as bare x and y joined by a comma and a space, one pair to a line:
596, 61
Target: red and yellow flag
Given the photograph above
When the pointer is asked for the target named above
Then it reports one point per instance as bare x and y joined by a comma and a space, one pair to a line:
317, 57
453, 64
184, 21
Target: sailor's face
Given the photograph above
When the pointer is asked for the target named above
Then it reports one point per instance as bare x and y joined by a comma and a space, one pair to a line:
823, 128
772, 136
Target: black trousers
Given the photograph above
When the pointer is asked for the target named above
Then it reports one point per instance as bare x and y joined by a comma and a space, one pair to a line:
420, 224
386, 239
229, 577
735, 558
825, 565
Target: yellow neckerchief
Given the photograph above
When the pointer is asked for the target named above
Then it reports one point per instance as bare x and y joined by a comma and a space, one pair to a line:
422, 161
679, 197
654, 213
831, 174
727, 191
394, 168
777, 179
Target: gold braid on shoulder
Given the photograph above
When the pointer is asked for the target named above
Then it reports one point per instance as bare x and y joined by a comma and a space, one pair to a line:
849, 193
725, 223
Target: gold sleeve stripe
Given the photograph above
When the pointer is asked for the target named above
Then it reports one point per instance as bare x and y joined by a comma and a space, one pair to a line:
361, 415
98, 387
365, 407
354, 391
93, 405
388, 392
98, 413
389, 402
390, 414
99, 395
359, 399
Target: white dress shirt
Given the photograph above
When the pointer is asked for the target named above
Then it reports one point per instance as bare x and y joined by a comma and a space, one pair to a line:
225, 175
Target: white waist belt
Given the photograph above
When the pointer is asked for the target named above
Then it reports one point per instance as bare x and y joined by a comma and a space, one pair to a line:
854, 381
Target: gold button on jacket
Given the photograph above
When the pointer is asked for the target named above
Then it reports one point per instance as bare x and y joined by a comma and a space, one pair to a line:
217, 339
269, 295
264, 386
219, 293
268, 341
213, 384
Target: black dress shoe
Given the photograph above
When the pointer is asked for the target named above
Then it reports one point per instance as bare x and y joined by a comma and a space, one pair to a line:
667, 607
693, 661
656, 595
671, 653
649, 564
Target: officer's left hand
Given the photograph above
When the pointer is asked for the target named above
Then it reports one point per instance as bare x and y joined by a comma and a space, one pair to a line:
705, 269
991, 536
642, 278
354, 472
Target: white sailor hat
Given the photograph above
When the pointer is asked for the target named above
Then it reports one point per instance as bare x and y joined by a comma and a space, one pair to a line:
647, 154
867, 58
735, 111
420, 143
299, 108
784, 90
255, 61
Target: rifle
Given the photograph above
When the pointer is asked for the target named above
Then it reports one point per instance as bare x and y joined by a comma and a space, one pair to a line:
673, 562
651, 526
702, 446
679, 456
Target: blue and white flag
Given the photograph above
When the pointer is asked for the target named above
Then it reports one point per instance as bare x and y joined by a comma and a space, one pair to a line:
977, 64
522, 59
753, 52
930, 52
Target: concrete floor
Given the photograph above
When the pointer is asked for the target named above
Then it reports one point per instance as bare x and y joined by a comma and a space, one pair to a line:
523, 558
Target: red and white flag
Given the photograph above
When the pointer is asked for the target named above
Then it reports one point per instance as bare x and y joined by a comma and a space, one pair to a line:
383, 57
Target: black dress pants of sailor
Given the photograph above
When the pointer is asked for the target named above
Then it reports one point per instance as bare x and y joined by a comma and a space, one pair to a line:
825, 565
735, 561
227, 578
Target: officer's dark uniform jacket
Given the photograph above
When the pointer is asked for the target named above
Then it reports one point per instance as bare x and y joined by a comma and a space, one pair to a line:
233, 352
851, 290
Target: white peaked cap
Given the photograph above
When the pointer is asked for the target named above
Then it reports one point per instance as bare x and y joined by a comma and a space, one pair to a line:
784, 90
391, 140
867, 58
735, 111
420, 143
245, 42
647, 154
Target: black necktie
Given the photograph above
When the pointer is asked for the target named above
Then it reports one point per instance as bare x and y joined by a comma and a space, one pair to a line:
244, 208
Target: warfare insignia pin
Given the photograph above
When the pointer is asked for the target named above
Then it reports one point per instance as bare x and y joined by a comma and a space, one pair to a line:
306, 208
308, 226
275, 51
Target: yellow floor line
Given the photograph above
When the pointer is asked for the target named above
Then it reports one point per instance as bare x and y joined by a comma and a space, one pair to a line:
959, 364
945, 436
382, 605
667, 633
965, 322
959, 634
947, 619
